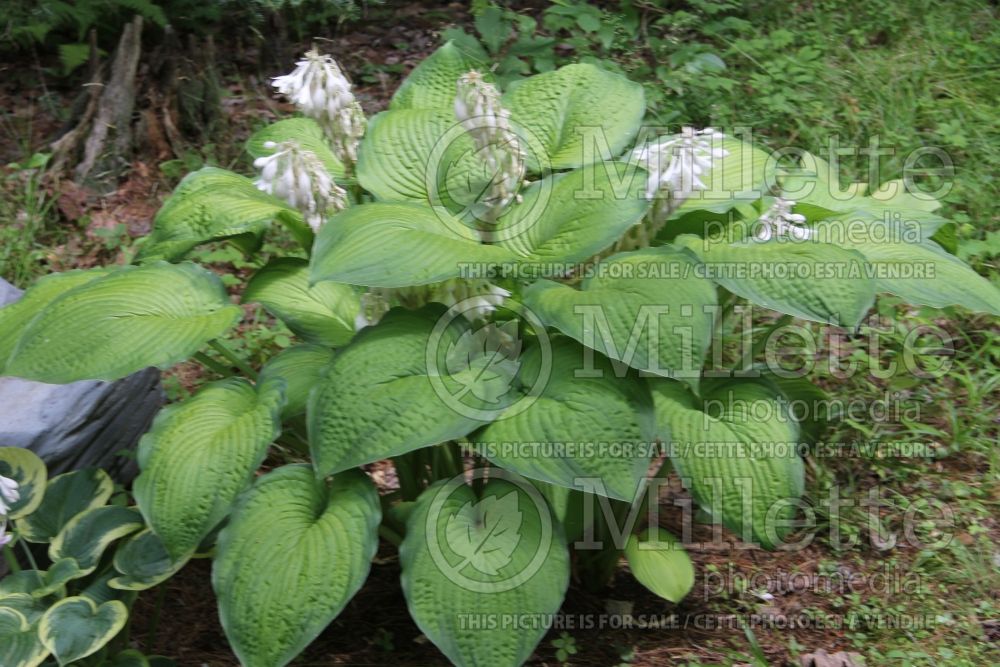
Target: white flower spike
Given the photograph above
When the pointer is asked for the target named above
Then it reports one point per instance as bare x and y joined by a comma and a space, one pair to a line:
9, 494
676, 163
318, 87
478, 109
299, 177
779, 220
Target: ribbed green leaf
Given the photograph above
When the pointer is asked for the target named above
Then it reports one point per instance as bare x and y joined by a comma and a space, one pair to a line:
736, 449
24, 467
562, 110
815, 281
469, 562
19, 642
303, 131
198, 456
649, 309
89, 533
421, 155
211, 204
432, 84
15, 317
659, 562
143, 562
75, 627
296, 551
571, 217
299, 369
397, 245
322, 313
66, 496
135, 317
584, 409
378, 400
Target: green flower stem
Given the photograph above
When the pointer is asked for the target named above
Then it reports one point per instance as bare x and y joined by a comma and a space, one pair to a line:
407, 482
11, 560
389, 535
233, 358
30, 556
212, 365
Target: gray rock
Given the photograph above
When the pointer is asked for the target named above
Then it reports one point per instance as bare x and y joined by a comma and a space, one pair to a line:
82, 424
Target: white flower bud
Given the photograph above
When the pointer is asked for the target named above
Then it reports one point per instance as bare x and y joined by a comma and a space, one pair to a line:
303, 182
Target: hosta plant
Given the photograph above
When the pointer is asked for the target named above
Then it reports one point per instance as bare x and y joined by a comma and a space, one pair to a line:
522, 300
87, 554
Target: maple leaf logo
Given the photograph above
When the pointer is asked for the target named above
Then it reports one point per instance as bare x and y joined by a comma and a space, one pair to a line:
484, 361
485, 534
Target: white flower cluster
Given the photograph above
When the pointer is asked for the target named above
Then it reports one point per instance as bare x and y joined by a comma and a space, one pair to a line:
318, 87
779, 220
478, 109
484, 298
9, 494
676, 163
299, 177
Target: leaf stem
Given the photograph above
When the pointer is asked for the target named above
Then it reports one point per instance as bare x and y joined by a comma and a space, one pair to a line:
12, 563
27, 552
212, 365
233, 358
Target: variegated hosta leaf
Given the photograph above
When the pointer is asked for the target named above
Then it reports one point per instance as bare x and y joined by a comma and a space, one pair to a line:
659, 562
24, 582
211, 204
76, 627
322, 313
815, 281
66, 496
24, 467
89, 533
122, 322
582, 409
296, 551
569, 218
736, 449
143, 562
469, 562
303, 131
20, 645
650, 309
381, 398
580, 114
431, 85
198, 456
299, 368
26, 604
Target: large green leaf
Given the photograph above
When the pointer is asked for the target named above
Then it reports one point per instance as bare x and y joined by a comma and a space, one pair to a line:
566, 111
814, 281
649, 309
905, 262
132, 318
89, 533
322, 313
659, 562
24, 467
296, 551
66, 496
76, 627
397, 245
432, 84
568, 218
587, 423
421, 155
381, 397
303, 131
299, 369
143, 562
211, 204
15, 317
198, 456
469, 562
736, 449
20, 645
